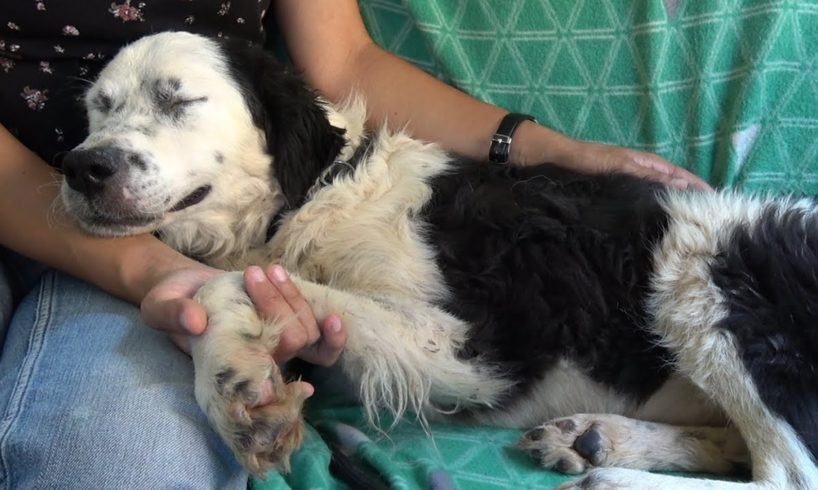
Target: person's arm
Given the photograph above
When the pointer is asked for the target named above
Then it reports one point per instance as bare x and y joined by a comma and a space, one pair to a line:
328, 41
141, 269
33, 223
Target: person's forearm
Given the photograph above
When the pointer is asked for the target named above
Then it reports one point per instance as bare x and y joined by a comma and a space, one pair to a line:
458, 121
34, 225
452, 118
328, 41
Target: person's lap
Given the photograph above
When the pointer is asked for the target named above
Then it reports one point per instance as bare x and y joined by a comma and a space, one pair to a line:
92, 398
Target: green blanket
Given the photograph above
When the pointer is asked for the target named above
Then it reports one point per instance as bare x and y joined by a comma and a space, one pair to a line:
727, 88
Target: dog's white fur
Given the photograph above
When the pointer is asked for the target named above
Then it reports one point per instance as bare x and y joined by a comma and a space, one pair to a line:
356, 249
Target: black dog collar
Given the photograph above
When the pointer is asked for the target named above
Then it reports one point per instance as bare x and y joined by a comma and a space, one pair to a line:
501, 141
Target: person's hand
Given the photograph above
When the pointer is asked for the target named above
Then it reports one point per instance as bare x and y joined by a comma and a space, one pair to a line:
535, 144
275, 296
169, 306
594, 157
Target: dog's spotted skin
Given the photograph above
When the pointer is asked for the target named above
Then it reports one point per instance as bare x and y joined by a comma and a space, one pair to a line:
614, 308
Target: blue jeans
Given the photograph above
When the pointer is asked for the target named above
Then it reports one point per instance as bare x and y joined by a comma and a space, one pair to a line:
90, 397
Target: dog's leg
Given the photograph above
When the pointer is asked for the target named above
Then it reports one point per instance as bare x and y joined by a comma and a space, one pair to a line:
687, 308
403, 357
403, 354
710, 359
234, 371
579, 442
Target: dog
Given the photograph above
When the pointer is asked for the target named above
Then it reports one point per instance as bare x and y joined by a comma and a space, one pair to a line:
627, 326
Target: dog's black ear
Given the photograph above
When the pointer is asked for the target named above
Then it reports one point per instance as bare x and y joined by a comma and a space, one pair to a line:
299, 136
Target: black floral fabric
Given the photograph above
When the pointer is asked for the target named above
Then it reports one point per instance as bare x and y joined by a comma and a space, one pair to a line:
51, 50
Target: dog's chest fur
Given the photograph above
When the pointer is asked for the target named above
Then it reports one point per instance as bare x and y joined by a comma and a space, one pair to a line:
528, 265
364, 232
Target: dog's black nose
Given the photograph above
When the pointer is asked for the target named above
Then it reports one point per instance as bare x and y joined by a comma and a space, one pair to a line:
87, 170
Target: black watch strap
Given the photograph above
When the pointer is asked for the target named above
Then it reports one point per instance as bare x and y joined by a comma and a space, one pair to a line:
500, 148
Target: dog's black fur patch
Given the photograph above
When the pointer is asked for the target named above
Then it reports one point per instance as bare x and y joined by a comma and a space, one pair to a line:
768, 274
299, 137
549, 264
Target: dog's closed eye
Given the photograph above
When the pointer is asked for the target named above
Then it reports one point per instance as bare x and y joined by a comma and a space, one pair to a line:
168, 99
175, 104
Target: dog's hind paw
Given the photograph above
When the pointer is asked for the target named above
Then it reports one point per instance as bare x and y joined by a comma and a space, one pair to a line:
577, 443
569, 445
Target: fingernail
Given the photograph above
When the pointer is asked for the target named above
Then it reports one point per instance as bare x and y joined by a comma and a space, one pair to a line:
255, 273
279, 274
334, 324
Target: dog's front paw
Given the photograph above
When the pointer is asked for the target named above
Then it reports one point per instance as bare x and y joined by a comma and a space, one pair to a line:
257, 414
238, 384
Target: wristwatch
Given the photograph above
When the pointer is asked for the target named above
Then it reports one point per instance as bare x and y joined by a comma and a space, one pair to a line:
500, 148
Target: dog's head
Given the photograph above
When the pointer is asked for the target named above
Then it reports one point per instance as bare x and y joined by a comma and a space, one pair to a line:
183, 127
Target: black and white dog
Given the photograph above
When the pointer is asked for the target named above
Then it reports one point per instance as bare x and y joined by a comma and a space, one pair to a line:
629, 326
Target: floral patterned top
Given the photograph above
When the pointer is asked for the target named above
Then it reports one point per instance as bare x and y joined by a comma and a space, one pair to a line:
51, 50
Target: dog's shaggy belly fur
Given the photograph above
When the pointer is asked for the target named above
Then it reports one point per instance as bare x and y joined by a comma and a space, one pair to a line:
509, 296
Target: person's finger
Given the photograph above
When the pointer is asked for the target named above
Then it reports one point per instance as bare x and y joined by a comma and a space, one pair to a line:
293, 338
267, 299
326, 351
653, 167
272, 305
281, 280
307, 388
678, 176
691, 178
174, 315
181, 341
649, 173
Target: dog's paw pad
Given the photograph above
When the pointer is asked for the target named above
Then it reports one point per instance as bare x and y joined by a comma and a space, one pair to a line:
590, 445
567, 445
